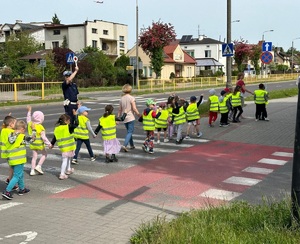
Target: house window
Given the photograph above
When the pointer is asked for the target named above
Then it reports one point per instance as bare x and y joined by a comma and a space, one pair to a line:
105, 32
150, 72
104, 46
55, 44
122, 45
191, 53
56, 32
145, 71
122, 51
94, 30
122, 38
207, 53
94, 44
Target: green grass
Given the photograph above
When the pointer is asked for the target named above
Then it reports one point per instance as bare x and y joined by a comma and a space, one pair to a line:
238, 223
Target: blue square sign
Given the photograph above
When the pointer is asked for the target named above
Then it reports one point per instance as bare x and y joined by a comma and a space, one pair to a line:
70, 58
266, 46
227, 49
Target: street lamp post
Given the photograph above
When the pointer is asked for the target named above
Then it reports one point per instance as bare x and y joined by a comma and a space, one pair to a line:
137, 46
263, 40
292, 66
228, 58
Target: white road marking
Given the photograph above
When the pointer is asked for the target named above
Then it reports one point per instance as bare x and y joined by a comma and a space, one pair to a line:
257, 170
283, 154
241, 181
272, 161
220, 194
9, 205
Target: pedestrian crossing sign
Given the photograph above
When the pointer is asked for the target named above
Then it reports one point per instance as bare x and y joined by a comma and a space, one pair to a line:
227, 49
70, 58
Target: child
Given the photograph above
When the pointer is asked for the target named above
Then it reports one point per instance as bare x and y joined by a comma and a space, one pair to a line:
229, 96
38, 146
261, 99
179, 118
224, 106
8, 126
63, 135
193, 117
161, 123
107, 125
148, 118
17, 158
236, 104
170, 106
81, 133
213, 103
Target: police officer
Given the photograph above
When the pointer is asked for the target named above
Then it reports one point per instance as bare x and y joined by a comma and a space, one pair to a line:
70, 92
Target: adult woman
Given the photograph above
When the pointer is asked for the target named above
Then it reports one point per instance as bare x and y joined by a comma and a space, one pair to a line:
127, 105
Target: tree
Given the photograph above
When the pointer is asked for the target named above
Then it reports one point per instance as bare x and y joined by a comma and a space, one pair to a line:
153, 39
64, 44
255, 56
122, 61
241, 54
55, 20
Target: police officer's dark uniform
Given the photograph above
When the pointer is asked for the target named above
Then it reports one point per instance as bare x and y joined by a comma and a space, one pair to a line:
70, 92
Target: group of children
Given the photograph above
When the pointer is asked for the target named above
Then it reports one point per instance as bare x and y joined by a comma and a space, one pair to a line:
68, 135
230, 105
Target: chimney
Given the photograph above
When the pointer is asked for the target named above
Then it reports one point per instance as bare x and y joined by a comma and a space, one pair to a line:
18, 21
201, 37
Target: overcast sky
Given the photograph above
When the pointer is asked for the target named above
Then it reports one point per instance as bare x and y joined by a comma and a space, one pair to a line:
189, 17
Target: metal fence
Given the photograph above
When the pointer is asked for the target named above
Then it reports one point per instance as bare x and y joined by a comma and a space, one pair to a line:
14, 92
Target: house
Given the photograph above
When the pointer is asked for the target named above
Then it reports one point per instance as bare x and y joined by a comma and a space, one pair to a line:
206, 51
175, 61
109, 37
35, 30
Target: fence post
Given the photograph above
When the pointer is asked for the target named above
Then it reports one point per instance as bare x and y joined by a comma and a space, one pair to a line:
43, 91
15, 92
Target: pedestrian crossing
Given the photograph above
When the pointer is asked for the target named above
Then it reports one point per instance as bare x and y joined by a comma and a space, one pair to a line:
88, 171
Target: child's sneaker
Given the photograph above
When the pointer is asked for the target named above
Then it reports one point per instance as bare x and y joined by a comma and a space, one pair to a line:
63, 177
32, 172
151, 151
166, 140
70, 171
145, 149
24, 191
7, 195
114, 158
74, 161
93, 159
199, 134
187, 137
158, 141
38, 168
7, 181
14, 188
108, 160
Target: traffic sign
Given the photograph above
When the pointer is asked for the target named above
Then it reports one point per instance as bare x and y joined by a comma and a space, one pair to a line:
70, 58
266, 57
227, 49
75, 59
266, 46
42, 63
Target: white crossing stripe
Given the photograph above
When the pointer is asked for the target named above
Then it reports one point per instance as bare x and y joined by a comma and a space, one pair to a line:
242, 181
9, 205
220, 194
258, 170
283, 154
272, 161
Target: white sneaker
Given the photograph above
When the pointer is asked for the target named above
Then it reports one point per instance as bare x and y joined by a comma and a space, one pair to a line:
38, 168
166, 140
199, 134
267, 119
32, 172
187, 137
158, 141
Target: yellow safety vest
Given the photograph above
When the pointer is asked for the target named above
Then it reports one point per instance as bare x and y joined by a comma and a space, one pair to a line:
260, 96
108, 129
214, 103
17, 152
162, 121
65, 140
81, 131
192, 112
170, 110
236, 99
148, 122
223, 106
180, 118
38, 143
5, 132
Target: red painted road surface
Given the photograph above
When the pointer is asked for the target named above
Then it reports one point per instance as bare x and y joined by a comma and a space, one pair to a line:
179, 178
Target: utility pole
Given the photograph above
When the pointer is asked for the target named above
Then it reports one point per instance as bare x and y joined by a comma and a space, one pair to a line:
137, 46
